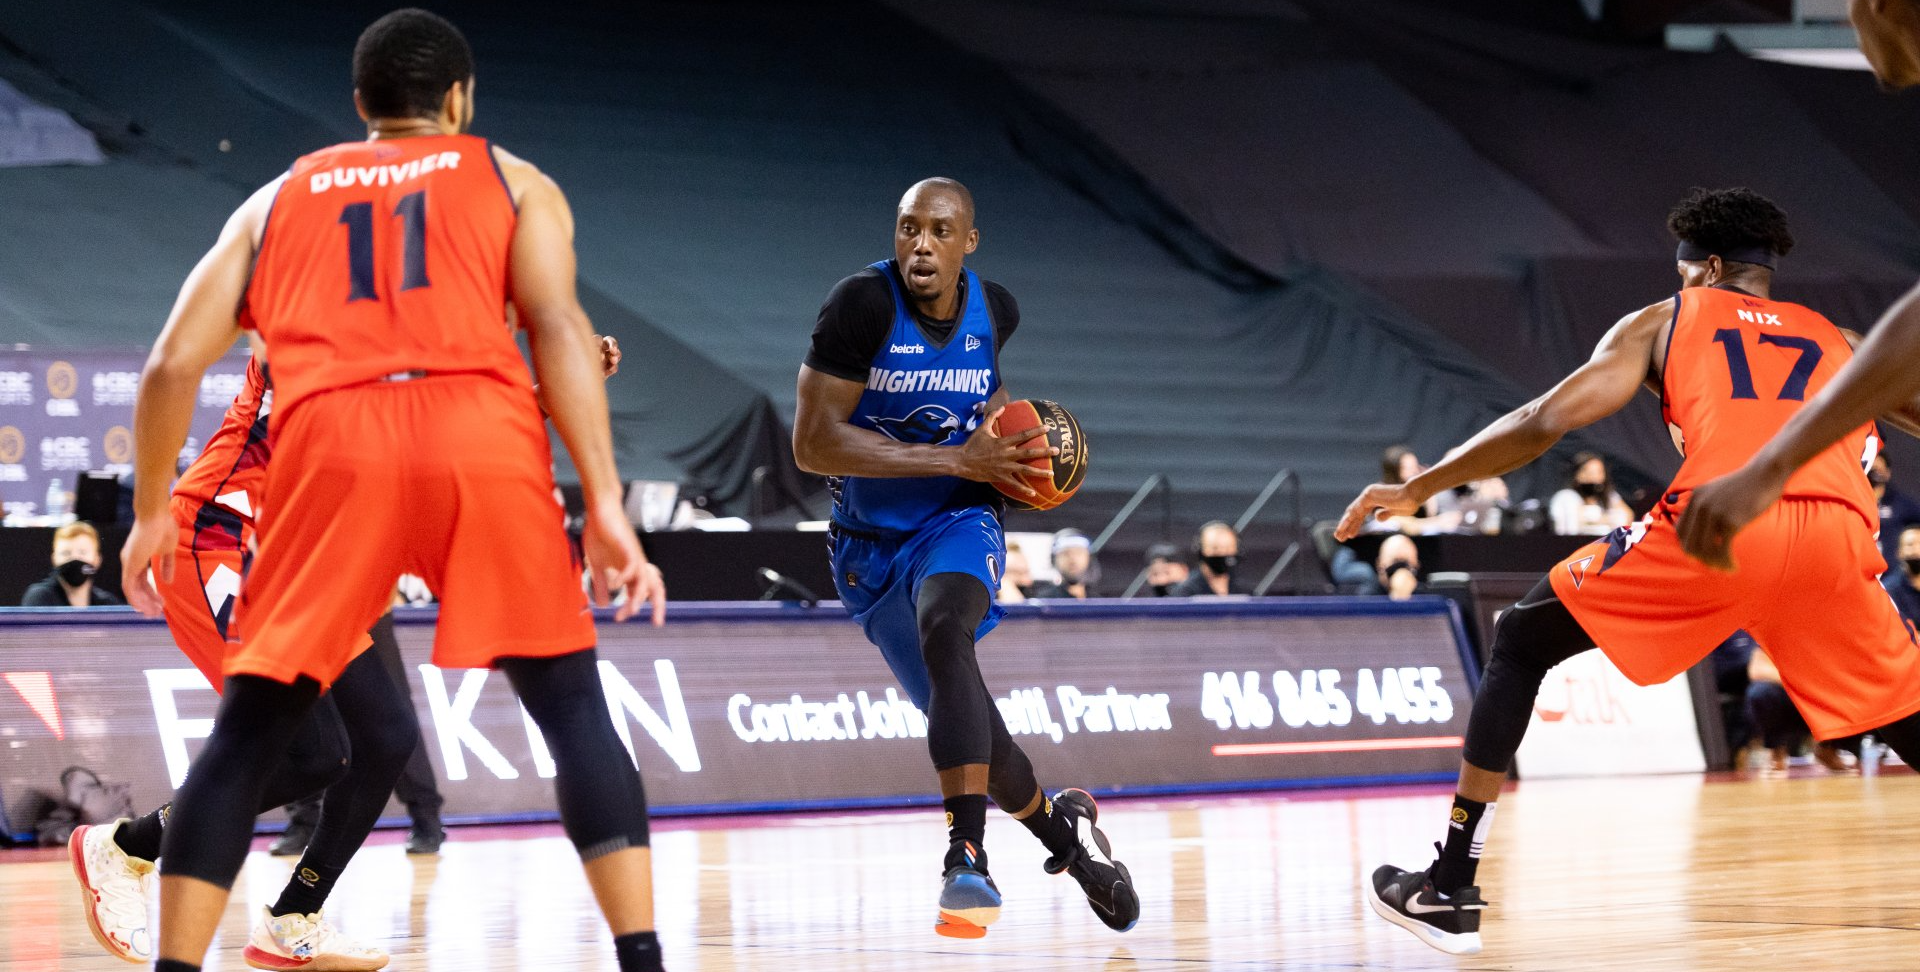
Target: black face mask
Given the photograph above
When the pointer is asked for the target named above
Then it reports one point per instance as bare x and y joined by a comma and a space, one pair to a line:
1221, 565
74, 573
1397, 566
1592, 491
1912, 565
1162, 590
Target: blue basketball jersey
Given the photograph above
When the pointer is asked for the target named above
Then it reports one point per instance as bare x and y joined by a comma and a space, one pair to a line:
922, 393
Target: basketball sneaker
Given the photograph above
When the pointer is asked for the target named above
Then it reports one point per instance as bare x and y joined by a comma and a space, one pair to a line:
969, 901
309, 943
1108, 886
1448, 922
113, 890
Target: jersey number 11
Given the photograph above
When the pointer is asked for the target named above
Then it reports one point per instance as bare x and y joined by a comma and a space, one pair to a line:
358, 217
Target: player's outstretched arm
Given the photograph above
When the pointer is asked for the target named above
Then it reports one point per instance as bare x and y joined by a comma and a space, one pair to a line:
826, 445
203, 325
568, 362
1601, 387
1880, 382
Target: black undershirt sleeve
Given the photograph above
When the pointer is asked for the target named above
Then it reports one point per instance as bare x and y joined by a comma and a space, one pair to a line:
1005, 310
853, 324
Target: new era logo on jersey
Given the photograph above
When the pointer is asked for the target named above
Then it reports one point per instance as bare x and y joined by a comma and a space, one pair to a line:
973, 343
926, 425
907, 349
1757, 317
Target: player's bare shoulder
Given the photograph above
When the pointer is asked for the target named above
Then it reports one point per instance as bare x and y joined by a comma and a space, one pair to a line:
524, 180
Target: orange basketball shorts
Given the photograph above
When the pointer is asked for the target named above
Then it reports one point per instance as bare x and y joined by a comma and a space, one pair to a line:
208, 566
1806, 588
447, 477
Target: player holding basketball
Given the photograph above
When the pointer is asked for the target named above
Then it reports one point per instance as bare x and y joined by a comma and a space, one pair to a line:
213, 506
917, 541
1881, 376
407, 439
1731, 366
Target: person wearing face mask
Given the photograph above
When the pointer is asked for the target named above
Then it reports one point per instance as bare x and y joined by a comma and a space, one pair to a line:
1165, 569
1589, 506
1398, 567
1902, 581
76, 557
1073, 558
1218, 548
1897, 512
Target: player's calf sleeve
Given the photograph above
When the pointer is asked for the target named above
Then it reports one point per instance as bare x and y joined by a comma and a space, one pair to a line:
1904, 737
603, 807
213, 811
317, 758
960, 712
1013, 787
1532, 637
382, 734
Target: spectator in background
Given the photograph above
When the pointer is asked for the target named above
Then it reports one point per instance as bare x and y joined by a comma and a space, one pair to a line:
1218, 548
76, 558
1903, 580
1474, 508
1165, 569
1771, 713
1073, 558
1017, 579
1897, 512
1397, 568
1589, 506
1398, 464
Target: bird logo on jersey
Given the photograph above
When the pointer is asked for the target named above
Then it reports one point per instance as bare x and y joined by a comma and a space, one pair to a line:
925, 425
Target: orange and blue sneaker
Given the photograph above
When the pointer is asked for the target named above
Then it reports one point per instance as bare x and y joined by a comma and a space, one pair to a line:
969, 901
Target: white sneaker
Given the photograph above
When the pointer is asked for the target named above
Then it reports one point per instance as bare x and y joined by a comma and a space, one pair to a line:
113, 890
307, 942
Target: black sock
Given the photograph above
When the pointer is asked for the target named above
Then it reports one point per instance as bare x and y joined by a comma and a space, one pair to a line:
174, 965
967, 831
1055, 830
637, 951
307, 890
140, 837
1467, 827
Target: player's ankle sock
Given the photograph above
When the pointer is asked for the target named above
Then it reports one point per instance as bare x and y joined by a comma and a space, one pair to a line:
966, 831
1055, 830
637, 951
307, 890
174, 965
1467, 826
140, 837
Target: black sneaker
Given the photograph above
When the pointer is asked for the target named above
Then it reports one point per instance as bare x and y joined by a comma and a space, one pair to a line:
1448, 922
425, 838
969, 900
1108, 886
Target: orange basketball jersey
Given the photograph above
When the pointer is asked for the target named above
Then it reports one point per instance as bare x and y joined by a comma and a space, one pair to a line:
232, 470
1737, 368
386, 257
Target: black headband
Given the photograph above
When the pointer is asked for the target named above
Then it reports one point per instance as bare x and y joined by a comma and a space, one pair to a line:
1742, 254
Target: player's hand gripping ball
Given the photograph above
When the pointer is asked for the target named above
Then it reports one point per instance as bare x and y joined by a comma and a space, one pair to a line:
1065, 470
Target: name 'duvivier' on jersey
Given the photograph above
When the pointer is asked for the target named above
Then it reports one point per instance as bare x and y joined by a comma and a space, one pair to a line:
975, 381
381, 175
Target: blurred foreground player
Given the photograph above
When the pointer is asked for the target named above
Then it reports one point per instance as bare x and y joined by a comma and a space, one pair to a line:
1885, 375
898, 400
1731, 366
407, 438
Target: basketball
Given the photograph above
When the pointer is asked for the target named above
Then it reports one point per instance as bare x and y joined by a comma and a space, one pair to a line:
1069, 468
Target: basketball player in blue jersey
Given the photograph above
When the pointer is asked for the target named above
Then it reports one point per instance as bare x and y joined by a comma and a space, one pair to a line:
897, 403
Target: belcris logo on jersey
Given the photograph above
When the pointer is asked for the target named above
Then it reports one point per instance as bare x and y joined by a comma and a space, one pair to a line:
907, 349
973, 381
926, 425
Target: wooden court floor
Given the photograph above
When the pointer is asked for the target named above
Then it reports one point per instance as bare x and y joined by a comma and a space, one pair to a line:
1664, 873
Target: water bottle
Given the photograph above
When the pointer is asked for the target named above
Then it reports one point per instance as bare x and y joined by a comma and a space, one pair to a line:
56, 499
1870, 755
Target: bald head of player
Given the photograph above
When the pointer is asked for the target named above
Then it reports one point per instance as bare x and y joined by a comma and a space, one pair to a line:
1729, 236
413, 75
932, 235
1890, 38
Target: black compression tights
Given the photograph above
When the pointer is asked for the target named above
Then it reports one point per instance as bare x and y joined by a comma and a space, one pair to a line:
963, 724
602, 805
1532, 637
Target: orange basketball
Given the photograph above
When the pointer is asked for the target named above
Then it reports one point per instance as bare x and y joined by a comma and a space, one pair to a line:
1063, 433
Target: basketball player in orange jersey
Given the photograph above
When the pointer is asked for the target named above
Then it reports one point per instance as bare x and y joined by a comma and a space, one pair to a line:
213, 505
1882, 376
1731, 366
407, 438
